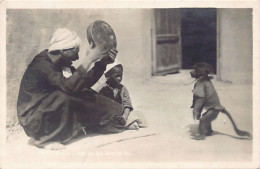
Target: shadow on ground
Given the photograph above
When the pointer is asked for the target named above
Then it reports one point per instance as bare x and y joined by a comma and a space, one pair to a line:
194, 133
82, 136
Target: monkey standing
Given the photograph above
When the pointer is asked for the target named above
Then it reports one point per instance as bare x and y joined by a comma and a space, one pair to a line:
206, 97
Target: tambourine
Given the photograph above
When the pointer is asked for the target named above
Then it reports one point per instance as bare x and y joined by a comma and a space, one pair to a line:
101, 34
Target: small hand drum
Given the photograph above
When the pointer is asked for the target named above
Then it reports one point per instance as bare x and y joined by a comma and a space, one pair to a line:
101, 34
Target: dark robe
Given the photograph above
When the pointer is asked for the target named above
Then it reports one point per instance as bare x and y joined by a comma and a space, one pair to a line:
51, 107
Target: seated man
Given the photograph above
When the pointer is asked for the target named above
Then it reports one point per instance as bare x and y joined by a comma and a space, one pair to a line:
52, 108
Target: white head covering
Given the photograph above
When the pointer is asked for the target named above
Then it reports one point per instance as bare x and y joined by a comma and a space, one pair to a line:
63, 38
109, 66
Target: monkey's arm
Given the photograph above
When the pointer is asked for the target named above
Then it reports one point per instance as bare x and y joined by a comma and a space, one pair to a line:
197, 108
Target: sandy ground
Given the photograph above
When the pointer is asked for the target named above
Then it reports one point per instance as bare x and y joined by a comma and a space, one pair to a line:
165, 102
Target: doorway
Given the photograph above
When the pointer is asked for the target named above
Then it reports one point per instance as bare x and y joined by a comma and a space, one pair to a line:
182, 37
166, 41
199, 40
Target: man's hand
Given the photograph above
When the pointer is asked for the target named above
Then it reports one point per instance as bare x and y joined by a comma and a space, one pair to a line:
96, 53
110, 58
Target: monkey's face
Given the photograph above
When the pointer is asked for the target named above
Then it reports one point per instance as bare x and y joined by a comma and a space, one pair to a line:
193, 74
201, 69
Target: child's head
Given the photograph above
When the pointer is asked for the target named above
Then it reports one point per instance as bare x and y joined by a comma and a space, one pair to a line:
114, 75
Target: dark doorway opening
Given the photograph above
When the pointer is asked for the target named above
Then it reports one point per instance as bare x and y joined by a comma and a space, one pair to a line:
198, 32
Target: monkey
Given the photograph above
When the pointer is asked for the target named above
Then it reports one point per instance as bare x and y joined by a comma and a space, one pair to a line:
205, 97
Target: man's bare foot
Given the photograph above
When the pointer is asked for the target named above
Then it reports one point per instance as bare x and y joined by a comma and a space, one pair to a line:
31, 141
54, 146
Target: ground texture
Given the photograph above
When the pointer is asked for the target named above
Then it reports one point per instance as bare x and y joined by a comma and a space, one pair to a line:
166, 102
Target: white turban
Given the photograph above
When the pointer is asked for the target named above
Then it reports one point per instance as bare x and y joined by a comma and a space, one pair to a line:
110, 66
63, 38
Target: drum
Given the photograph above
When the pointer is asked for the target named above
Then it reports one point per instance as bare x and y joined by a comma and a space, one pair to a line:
101, 34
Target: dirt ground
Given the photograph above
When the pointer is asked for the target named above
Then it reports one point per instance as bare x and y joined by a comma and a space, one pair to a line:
166, 102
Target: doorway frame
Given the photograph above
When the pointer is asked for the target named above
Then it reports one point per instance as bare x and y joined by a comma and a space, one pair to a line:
154, 71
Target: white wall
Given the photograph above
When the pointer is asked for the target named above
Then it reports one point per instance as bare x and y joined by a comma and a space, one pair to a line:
235, 45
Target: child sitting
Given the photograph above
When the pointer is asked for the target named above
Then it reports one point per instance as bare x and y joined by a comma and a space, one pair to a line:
118, 92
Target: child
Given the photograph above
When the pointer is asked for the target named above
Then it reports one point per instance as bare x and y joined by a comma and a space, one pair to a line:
118, 92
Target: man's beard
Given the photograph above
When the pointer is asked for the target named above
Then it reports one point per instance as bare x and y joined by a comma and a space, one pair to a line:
68, 62
65, 63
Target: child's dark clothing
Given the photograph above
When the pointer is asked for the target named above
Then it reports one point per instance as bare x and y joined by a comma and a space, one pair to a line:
119, 94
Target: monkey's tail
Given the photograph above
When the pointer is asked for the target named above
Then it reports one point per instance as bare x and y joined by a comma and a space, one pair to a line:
239, 132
